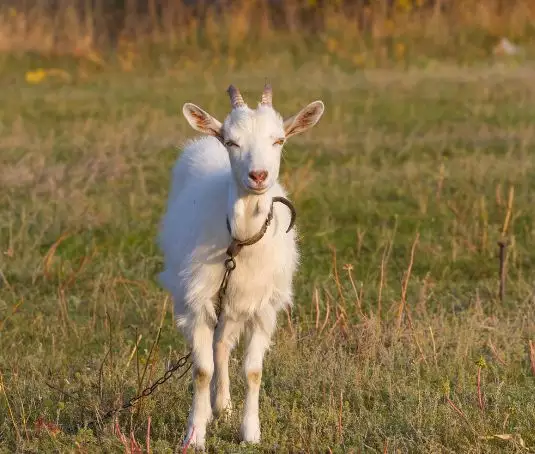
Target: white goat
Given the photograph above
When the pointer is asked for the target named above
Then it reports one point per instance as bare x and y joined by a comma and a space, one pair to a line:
222, 189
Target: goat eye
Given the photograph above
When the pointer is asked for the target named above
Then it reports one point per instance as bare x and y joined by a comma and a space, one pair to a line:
230, 143
279, 142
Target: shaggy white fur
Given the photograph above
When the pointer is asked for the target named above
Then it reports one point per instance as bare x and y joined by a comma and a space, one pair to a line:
232, 174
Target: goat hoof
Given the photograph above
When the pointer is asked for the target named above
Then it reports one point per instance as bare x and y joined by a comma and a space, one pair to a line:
250, 431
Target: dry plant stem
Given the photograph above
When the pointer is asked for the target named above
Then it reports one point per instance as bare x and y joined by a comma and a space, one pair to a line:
507, 219
532, 356
120, 435
440, 182
340, 426
135, 447
13, 312
382, 282
47, 260
403, 301
138, 370
360, 239
414, 336
149, 358
434, 347
496, 354
326, 320
147, 440
5, 281
83, 263
164, 311
339, 321
137, 411
156, 340
133, 352
64, 315
498, 192
503, 243
349, 268
290, 324
101, 375
384, 262
110, 351
502, 257
485, 221
454, 210
10, 411
317, 305
479, 392
336, 278
24, 418
457, 409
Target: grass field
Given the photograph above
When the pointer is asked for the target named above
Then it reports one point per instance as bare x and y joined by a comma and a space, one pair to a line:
403, 191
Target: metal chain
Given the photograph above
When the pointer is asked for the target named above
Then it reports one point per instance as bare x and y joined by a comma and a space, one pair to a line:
230, 265
236, 246
150, 389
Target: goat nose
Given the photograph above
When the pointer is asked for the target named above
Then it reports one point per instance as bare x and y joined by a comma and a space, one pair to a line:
258, 176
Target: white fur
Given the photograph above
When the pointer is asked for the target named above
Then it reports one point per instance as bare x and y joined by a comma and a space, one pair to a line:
210, 183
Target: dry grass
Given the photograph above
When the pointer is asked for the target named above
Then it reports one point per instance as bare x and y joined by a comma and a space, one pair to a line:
407, 32
397, 342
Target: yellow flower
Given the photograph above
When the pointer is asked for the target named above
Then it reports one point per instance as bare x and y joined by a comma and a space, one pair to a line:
35, 77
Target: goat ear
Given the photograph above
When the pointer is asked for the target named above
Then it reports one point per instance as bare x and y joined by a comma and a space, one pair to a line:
201, 120
304, 120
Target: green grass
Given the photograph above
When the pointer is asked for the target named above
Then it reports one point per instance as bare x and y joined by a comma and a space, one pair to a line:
427, 154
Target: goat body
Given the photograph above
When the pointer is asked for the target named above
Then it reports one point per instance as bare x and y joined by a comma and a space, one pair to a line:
215, 180
195, 238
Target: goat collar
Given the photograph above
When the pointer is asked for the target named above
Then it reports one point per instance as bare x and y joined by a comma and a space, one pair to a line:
236, 245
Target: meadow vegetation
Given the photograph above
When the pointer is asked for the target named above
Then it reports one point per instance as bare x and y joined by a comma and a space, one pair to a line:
422, 163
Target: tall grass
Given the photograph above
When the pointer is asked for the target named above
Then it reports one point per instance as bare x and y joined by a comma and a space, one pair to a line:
397, 341
374, 33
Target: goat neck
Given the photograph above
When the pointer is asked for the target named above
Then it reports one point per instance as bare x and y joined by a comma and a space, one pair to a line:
247, 211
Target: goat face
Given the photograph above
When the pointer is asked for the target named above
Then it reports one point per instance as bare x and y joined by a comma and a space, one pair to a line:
254, 137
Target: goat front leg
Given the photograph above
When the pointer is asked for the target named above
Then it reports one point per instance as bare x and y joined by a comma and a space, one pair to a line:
203, 368
259, 333
226, 337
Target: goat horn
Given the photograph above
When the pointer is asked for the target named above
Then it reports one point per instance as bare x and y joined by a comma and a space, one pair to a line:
267, 95
236, 99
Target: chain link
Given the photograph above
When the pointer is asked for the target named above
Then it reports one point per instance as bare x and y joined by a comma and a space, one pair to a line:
150, 389
230, 265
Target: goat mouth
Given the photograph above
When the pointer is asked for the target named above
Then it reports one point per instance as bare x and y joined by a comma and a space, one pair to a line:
257, 189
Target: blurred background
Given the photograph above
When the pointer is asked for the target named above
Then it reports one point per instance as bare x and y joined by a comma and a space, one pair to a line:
352, 34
